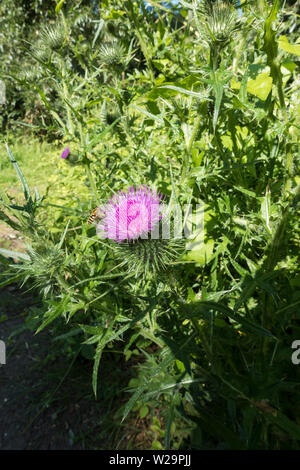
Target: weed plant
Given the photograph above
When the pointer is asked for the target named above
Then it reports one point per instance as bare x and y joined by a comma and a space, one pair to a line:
200, 101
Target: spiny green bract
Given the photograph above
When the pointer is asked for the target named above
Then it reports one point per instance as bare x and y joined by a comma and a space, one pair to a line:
53, 37
149, 257
217, 21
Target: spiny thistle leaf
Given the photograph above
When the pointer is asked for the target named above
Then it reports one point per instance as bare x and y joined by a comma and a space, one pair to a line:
43, 265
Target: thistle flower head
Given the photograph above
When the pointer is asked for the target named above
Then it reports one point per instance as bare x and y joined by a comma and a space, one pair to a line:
131, 214
133, 220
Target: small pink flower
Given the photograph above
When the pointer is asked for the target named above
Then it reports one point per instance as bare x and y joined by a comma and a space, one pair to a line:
65, 153
131, 214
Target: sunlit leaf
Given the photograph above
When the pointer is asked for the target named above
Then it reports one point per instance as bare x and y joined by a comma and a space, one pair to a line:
286, 46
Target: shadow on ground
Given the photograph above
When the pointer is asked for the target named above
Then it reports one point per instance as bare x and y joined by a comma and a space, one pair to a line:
45, 402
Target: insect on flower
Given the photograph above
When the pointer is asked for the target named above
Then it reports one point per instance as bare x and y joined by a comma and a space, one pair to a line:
93, 216
96, 213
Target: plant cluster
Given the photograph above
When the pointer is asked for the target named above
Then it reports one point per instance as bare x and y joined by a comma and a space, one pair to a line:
200, 101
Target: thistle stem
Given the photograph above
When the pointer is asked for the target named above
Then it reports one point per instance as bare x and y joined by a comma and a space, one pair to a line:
186, 163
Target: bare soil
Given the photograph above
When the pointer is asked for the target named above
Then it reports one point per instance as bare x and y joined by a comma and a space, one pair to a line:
36, 412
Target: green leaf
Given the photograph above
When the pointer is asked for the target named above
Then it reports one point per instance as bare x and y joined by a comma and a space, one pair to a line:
266, 209
218, 80
286, 46
144, 410
19, 174
170, 420
11, 280
184, 91
163, 365
58, 119
156, 445
63, 235
278, 418
74, 332
260, 86
7, 219
218, 89
54, 313
97, 358
58, 6
149, 115
103, 338
246, 191
14, 254
197, 308
167, 89
99, 137
270, 44
201, 253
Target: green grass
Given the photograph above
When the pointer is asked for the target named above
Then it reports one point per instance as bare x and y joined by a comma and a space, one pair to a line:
37, 160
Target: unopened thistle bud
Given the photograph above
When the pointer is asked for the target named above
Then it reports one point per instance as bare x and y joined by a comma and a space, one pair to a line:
217, 20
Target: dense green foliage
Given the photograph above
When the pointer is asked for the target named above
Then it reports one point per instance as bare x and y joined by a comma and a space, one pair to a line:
200, 101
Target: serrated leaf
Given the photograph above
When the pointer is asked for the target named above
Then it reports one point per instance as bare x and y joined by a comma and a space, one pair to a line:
103, 339
270, 43
54, 313
164, 364
58, 119
266, 209
99, 137
184, 91
149, 115
11, 280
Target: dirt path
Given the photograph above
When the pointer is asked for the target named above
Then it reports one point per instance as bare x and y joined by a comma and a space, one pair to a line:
32, 414
11, 239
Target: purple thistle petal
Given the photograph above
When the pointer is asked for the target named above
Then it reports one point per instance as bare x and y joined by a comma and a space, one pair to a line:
131, 214
65, 153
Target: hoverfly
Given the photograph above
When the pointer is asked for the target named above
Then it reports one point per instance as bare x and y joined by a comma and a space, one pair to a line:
92, 216
96, 213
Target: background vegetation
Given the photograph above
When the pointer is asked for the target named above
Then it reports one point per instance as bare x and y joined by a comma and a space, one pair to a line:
199, 100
